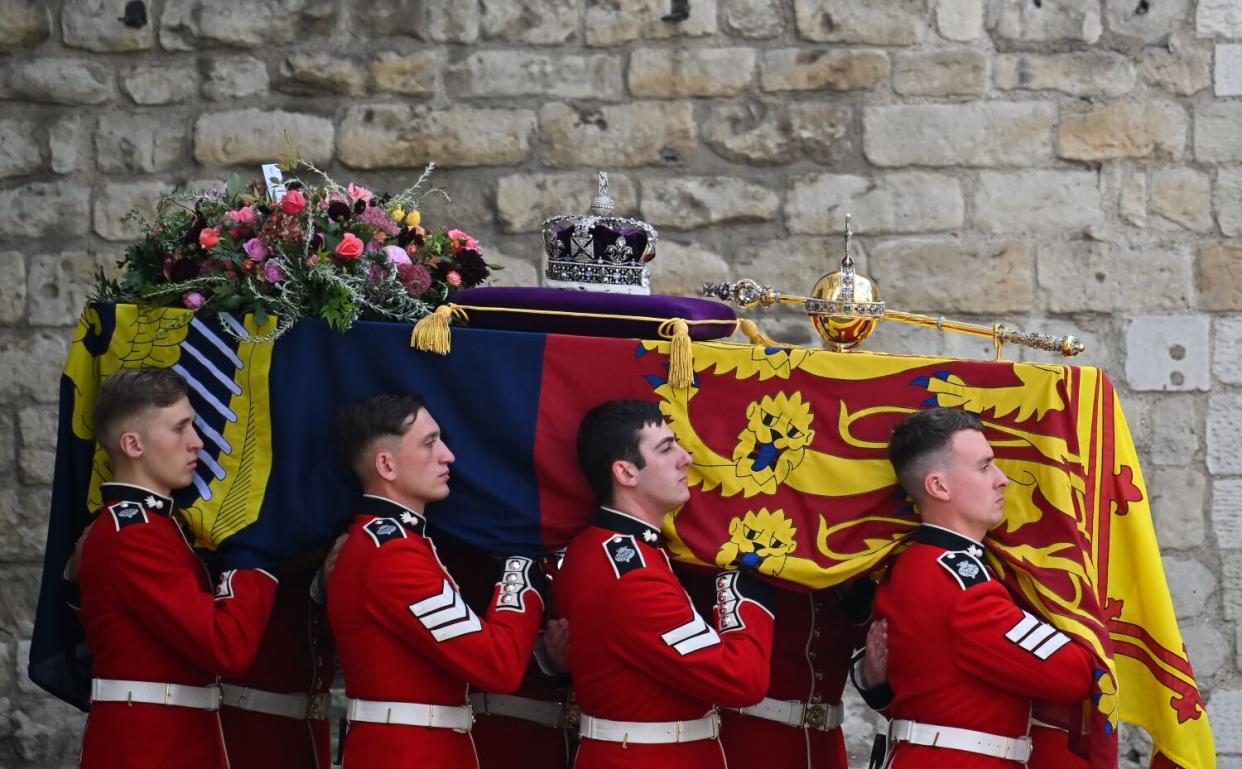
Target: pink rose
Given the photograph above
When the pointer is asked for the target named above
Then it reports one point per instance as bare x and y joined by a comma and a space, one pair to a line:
453, 279
350, 246
463, 241
358, 193
396, 255
255, 249
209, 238
193, 300
273, 272
293, 202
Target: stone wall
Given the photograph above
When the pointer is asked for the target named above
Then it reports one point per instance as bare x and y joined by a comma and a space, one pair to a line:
1062, 164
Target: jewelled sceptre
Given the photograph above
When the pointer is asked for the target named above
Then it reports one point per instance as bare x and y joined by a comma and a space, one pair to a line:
845, 308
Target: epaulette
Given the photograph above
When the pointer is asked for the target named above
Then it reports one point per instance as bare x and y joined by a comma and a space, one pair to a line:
382, 530
965, 567
127, 514
624, 554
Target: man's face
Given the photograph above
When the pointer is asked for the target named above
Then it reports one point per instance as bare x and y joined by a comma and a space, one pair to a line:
170, 446
662, 479
421, 461
976, 484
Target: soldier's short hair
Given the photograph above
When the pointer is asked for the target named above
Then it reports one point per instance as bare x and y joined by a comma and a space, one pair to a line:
359, 425
129, 392
609, 432
918, 443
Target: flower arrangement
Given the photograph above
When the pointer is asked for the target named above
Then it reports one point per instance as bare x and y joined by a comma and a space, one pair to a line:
341, 253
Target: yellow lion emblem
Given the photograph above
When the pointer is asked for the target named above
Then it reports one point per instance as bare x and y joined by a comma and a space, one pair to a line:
759, 540
774, 441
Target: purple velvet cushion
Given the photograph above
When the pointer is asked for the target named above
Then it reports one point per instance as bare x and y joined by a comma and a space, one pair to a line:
685, 307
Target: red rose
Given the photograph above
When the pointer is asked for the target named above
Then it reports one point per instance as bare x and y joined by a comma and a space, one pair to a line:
350, 246
209, 238
293, 202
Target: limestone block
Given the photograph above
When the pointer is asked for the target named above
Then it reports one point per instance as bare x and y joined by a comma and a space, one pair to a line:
644, 133
977, 276
524, 200
45, 730
1132, 197
1208, 649
1086, 73
671, 73
30, 364
250, 136
1125, 129
690, 202
1177, 428
1099, 334
160, 84
902, 339
1228, 70
1088, 276
973, 134
1231, 564
516, 272
187, 25
1217, 138
23, 525
1218, 18
13, 290
753, 19
409, 75
800, 69
57, 287
139, 143
36, 466
959, 20
950, 72
788, 262
23, 23
613, 22
1191, 585
37, 210
69, 142
1049, 20
456, 21
235, 77
507, 74
96, 26
20, 150
1168, 352
37, 426
1182, 198
1150, 23
1228, 201
1224, 706
55, 81
1227, 513
1220, 276
876, 22
1037, 201
532, 22
1180, 67
1177, 497
898, 202
1227, 359
765, 134
117, 199
400, 136
1224, 436
316, 74
681, 269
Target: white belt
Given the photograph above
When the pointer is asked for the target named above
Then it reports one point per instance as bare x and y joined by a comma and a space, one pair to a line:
180, 695
296, 706
550, 714
1011, 748
456, 717
651, 732
812, 715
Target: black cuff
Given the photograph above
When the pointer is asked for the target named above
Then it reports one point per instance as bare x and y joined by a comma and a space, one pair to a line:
877, 697
856, 598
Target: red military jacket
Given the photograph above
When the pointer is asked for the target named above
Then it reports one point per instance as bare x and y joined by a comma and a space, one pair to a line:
150, 614
639, 651
962, 653
387, 572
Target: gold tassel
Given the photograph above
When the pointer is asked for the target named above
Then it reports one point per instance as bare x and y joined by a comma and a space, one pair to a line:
431, 332
680, 356
757, 337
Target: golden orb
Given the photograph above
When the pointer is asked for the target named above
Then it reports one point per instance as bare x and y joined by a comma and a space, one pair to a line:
855, 314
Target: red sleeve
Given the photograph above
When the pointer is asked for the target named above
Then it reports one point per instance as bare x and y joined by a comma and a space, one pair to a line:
222, 632
414, 599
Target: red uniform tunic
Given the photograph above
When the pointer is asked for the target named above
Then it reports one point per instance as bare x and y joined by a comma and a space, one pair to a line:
961, 653
296, 656
150, 615
639, 651
386, 571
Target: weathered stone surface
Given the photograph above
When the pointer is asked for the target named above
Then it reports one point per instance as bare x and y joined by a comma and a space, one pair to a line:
516, 272
1224, 436
410, 75
885, 203
1227, 520
1132, 197
1208, 649
1088, 276
800, 69
920, 274
761, 133
612, 22
652, 133
1088, 73
951, 72
1191, 585
1220, 276
787, 262
57, 287
36, 210
23, 23
1177, 497
1180, 67
96, 26
681, 269
398, 136
976, 134
249, 136
877, 22
1218, 18
30, 364
523, 201
1231, 564
1225, 712
190, 24
1227, 357
533, 22
1182, 198
20, 152
46, 731
1168, 352
1176, 432
1217, 138
506, 74
670, 72
959, 20
315, 74
1151, 22
161, 84
138, 143
1228, 70
1126, 129
117, 199
56, 81
235, 77
13, 290
1049, 20
69, 141
753, 19
686, 203
1037, 201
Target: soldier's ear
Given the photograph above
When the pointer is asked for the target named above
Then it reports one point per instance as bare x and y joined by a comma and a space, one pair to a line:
624, 473
936, 487
385, 465
131, 445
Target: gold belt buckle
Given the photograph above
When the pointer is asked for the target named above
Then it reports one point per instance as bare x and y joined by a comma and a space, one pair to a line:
815, 715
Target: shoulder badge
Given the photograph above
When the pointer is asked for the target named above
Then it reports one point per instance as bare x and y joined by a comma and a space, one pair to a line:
127, 513
623, 554
965, 567
382, 530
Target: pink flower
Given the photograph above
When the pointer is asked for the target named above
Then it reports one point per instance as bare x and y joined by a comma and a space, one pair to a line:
293, 202
255, 249
453, 279
350, 246
243, 215
273, 273
357, 193
396, 255
193, 300
463, 241
209, 238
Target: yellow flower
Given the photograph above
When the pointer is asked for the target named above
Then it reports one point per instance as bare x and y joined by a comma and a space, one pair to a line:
413, 219
398, 214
